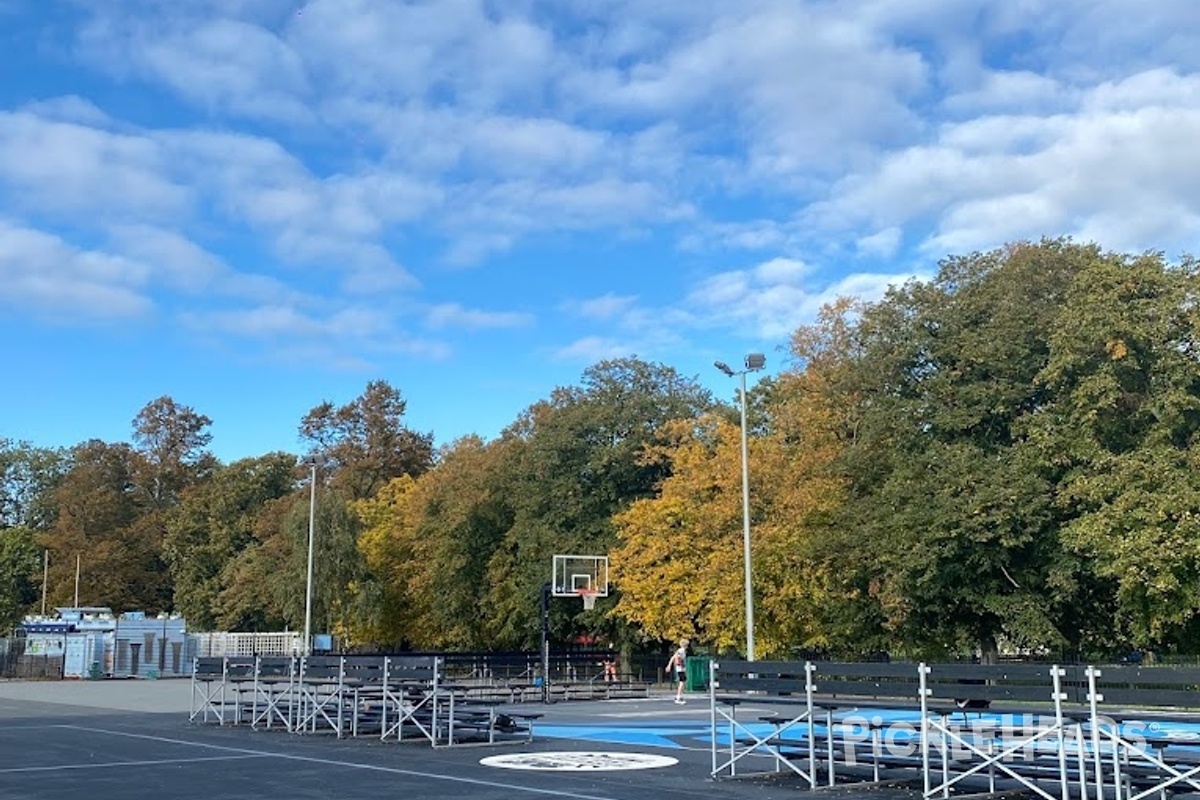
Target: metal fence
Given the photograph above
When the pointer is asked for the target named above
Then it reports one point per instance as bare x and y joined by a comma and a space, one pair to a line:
19, 660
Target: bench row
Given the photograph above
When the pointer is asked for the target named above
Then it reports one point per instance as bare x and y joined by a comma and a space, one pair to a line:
953, 725
400, 697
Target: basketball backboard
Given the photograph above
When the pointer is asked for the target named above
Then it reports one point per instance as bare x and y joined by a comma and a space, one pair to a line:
576, 574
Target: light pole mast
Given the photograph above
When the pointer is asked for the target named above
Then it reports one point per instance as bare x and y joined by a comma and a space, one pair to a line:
313, 462
754, 362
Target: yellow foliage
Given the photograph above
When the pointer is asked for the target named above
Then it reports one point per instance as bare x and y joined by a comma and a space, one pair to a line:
679, 564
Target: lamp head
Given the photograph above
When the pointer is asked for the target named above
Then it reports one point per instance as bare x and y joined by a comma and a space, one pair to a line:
755, 361
721, 365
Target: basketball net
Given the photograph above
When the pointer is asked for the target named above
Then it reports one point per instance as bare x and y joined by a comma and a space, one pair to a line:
589, 598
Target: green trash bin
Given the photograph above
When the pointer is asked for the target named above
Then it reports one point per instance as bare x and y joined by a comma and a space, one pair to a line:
697, 673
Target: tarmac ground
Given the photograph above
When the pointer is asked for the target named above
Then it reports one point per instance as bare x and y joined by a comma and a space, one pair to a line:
132, 740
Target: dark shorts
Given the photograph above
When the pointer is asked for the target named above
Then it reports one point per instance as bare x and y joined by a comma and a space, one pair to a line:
680, 675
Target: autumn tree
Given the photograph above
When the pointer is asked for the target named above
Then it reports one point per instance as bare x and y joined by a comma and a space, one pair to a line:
99, 521
571, 463
366, 442
680, 560
427, 544
389, 522
214, 524
170, 438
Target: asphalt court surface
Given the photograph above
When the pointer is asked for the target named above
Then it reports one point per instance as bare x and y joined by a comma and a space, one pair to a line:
81, 740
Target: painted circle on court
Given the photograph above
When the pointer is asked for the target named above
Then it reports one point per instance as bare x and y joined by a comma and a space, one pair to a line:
579, 761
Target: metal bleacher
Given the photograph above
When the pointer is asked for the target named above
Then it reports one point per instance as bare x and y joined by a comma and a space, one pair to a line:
1052, 731
389, 697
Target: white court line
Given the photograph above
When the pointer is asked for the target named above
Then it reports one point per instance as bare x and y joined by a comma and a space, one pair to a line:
4, 728
348, 764
126, 764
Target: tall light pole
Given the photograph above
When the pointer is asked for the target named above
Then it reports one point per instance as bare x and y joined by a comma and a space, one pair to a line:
312, 461
754, 362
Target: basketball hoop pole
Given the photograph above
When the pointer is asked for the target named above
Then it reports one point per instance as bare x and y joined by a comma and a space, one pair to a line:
572, 575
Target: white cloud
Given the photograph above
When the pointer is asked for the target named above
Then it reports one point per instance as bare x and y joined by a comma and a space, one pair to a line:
772, 299
1109, 169
452, 315
177, 260
326, 143
781, 271
591, 349
605, 307
43, 274
67, 169
808, 90
1017, 92
882, 243
220, 63
327, 336
89, 175
179, 263
69, 108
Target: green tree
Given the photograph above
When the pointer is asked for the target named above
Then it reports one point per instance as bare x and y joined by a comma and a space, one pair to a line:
27, 473
948, 540
258, 585
1120, 440
20, 560
337, 563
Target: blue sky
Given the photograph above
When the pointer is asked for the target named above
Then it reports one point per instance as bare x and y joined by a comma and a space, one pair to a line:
254, 206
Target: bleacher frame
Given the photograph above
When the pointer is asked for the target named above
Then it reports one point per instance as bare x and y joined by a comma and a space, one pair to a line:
1062, 734
401, 698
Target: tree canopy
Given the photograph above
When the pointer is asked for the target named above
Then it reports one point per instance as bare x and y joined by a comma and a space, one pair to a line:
999, 458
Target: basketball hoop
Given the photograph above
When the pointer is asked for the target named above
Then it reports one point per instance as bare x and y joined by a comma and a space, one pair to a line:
589, 598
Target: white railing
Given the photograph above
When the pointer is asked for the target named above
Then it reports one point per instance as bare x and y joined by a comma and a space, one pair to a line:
248, 644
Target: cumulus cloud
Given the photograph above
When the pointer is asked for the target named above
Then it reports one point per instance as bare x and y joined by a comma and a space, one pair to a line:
42, 273
357, 148
348, 337
605, 307
590, 349
1109, 169
772, 299
453, 315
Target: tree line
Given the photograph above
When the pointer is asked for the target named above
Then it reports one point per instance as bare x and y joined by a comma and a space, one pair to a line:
1001, 457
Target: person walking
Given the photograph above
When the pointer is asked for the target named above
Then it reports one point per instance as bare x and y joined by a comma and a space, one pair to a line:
678, 663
